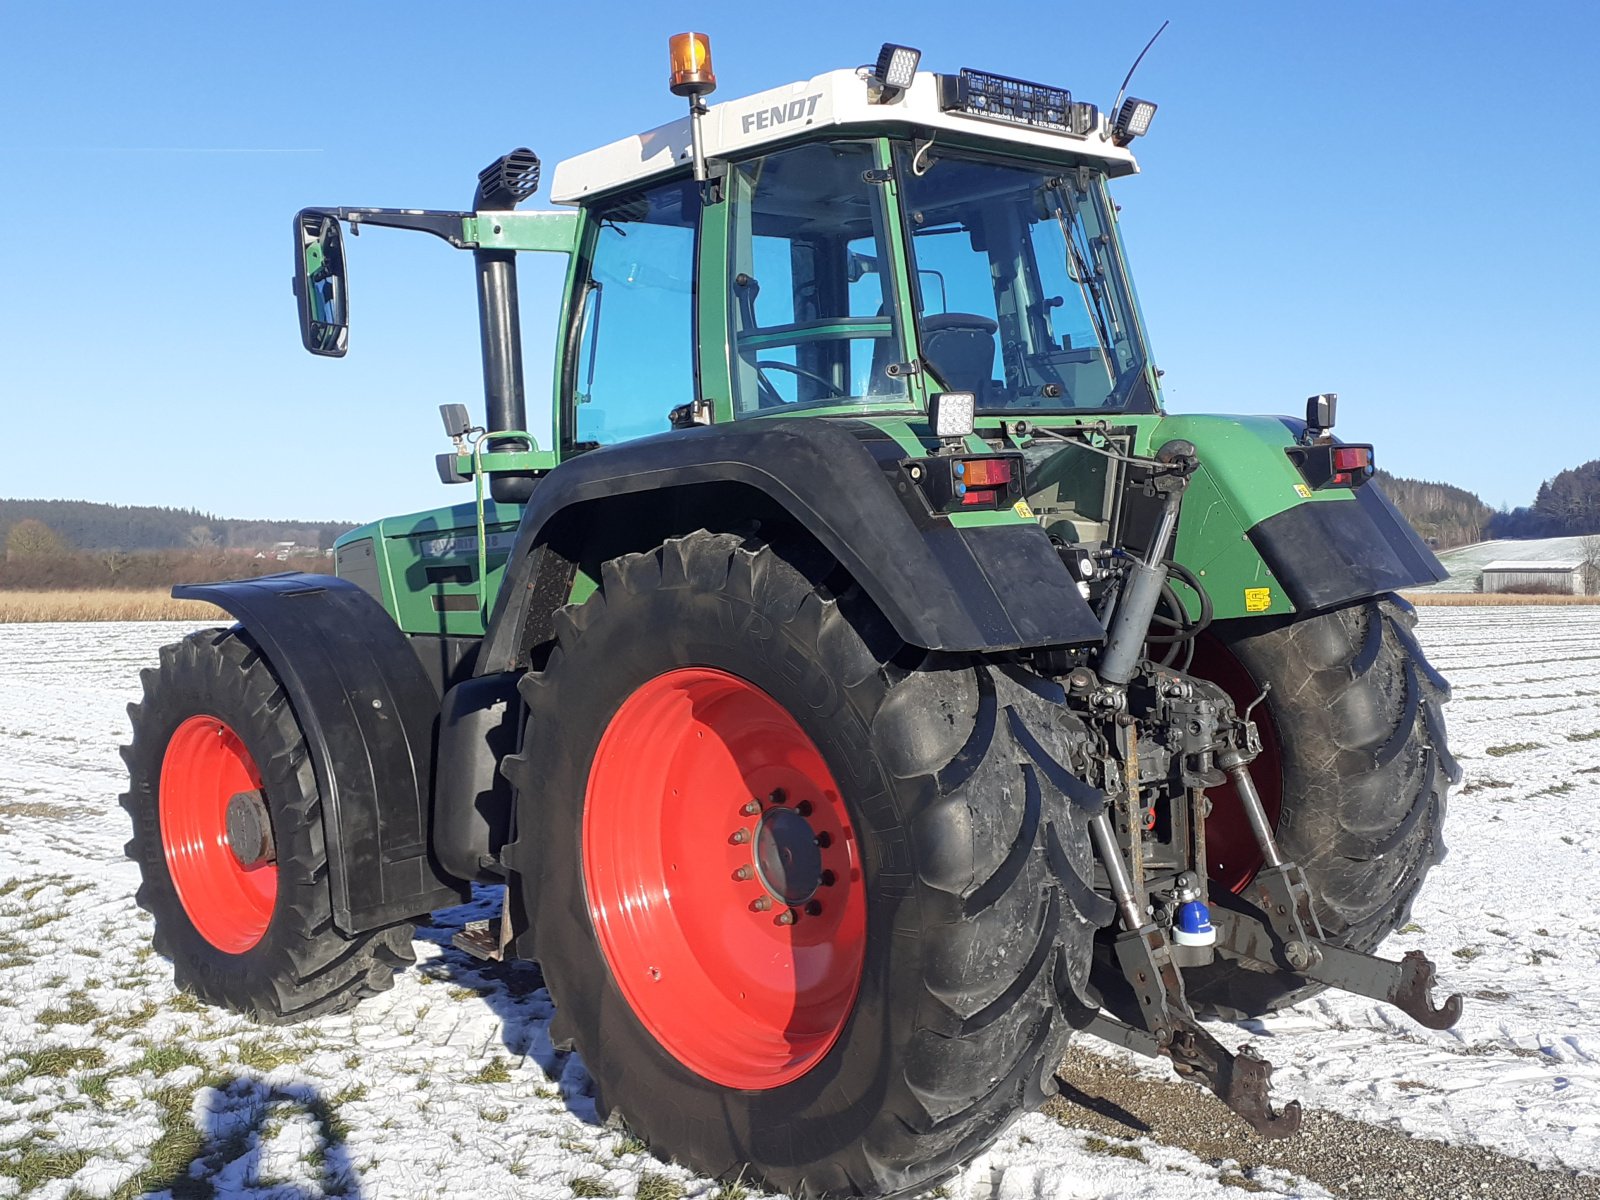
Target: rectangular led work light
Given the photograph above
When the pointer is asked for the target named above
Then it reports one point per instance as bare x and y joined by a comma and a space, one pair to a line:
1016, 102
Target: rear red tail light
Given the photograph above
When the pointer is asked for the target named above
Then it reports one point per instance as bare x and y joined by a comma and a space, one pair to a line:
1352, 458
987, 497
985, 472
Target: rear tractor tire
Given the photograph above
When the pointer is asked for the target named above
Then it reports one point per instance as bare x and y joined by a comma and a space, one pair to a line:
1355, 768
227, 832
811, 904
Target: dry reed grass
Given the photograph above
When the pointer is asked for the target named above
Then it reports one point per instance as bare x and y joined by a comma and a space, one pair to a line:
1472, 599
103, 606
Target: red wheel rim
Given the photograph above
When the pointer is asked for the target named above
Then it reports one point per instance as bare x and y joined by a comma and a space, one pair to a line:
1232, 855
206, 763
723, 878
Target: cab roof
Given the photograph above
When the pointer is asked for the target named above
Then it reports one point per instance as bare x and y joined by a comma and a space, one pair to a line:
835, 100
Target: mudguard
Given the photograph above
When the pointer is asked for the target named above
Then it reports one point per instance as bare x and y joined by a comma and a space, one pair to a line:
367, 709
942, 587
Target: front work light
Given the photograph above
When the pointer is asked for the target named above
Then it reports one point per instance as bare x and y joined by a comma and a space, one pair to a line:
690, 55
1132, 120
952, 414
894, 71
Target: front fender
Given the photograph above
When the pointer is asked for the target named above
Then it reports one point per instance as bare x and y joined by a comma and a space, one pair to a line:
367, 709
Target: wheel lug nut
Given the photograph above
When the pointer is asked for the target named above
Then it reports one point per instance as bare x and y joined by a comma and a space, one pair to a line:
824, 839
752, 808
813, 909
803, 808
779, 796
826, 878
740, 836
743, 873
760, 905
786, 917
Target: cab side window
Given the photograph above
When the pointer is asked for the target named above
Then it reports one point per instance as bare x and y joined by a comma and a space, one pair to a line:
636, 350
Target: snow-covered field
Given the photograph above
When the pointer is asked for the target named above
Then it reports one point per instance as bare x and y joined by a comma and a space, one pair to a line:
113, 1084
1466, 563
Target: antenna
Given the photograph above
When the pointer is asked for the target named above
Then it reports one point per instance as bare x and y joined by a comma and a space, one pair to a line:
1117, 103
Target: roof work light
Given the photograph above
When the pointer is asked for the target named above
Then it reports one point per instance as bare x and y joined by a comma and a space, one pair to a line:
690, 55
1132, 120
894, 71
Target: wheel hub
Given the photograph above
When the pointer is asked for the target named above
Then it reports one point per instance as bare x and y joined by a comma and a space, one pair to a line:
249, 829
787, 859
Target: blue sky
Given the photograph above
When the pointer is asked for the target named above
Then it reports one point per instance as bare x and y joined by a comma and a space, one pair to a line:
1395, 202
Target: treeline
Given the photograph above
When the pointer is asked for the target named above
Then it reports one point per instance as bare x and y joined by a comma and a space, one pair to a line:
1442, 515
1566, 506
86, 526
151, 569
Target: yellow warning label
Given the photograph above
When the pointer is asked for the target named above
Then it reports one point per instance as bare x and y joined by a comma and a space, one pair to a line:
1022, 510
1302, 491
1257, 599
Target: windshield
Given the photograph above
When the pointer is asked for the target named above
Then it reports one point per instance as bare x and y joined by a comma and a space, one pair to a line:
1022, 298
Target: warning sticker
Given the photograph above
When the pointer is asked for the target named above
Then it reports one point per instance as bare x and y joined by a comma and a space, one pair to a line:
1257, 599
1022, 510
1302, 491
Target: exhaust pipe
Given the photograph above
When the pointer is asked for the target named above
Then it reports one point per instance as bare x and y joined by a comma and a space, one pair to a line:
505, 182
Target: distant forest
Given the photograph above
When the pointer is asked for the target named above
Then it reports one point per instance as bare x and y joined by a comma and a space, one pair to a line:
1443, 515
85, 526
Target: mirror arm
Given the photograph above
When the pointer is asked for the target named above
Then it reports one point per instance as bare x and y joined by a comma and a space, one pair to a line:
446, 225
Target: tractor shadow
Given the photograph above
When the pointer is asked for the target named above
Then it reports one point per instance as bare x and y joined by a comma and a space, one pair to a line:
514, 992
233, 1125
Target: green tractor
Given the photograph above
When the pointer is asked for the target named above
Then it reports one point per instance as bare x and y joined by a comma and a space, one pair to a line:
860, 686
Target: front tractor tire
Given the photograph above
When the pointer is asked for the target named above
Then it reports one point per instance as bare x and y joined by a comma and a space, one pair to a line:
227, 833
812, 905
1355, 767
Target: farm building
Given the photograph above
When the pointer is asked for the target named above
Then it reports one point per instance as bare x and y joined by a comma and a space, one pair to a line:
1530, 575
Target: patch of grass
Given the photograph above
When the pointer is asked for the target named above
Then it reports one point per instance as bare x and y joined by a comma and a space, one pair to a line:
1537, 957
495, 1116
735, 1190
177, 1146
187, 1002
57, 1062
547, 1093
655, 1186
1099, 1145
1467, 952
349, 1095
1411, 927
461, 993
1555, 789
1569, 839
1584, 737
78, 1010
1479, 785
1229, 1177
39, 1162
494, 1071
163, 1060
96, 1087
1512, 748
10, 886
73, 889
264, 1055
589, 1186
1412, 1085
628, 1144
352, 1061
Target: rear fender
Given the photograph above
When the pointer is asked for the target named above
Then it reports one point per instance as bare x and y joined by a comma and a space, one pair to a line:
1265, 543
942, 586
368, 711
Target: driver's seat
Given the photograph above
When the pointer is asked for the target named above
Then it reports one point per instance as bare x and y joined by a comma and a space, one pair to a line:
961, 347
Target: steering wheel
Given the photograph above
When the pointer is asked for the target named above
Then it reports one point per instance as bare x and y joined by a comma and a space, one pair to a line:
769, 394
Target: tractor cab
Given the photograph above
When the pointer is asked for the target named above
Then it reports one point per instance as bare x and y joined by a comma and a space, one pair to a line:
852, 244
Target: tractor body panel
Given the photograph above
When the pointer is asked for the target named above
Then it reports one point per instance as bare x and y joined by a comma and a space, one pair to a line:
1261, 539
367, 709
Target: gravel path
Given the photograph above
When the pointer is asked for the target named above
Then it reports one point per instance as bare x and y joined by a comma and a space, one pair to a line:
1349, 1158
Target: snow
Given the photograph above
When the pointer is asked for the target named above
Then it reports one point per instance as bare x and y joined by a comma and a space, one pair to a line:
449, 1085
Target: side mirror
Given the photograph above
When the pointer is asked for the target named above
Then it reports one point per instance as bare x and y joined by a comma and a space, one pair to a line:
319, 283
